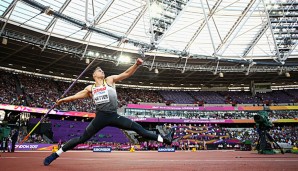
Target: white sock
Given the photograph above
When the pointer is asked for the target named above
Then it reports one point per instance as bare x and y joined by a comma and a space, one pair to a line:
159, 138
59, 152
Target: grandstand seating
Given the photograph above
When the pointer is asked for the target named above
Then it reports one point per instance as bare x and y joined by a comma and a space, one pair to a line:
34, 91
239, 97
179, 97
275, 97
208, 97
20, 89
191, 134
8, 93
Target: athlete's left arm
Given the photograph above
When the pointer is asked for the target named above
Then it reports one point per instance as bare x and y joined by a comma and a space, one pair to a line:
80, 95
129, 72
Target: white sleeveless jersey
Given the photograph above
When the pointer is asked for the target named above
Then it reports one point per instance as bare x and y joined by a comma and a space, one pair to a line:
105, 97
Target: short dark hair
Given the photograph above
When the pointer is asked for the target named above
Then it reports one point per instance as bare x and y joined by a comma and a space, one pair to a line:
97, 68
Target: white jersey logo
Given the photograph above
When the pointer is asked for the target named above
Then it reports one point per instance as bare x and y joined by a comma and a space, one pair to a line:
100, 95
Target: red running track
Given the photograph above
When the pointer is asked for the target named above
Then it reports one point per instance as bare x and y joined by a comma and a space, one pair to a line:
153, 161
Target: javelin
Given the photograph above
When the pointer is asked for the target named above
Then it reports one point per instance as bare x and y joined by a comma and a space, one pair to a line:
54, 105
66, 91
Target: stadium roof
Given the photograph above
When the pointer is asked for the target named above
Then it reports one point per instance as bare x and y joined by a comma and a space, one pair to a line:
244, 40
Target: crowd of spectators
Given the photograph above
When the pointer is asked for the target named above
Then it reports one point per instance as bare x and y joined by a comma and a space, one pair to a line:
114, 146
83, 105
208, 97
201, 134
281, 134
33, 138
211, 115
42, 92
17, 89
126, 96
8, 94
20, 89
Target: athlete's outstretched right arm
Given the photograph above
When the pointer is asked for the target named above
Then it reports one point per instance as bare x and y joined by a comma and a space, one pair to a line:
80, 95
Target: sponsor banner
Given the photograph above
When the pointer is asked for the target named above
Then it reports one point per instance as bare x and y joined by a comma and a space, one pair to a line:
114, 147
163, 107
136, 106
215, 108
243, 121
82, 147
25, 109
211, 108
163, 149
220, 108
207, 120
34, 147
102, 149
283, 107
218, 121
144, 119
285, 120
150, 107
163, 120
42, 110
250, 108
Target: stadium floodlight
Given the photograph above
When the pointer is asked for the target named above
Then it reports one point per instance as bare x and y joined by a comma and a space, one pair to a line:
124, 59
183, 71
156, 10
162, 15
221, 75
4, 41
90, 53
282, 18
87, 60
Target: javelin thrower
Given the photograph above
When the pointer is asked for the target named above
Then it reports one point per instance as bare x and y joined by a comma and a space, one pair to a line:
104, 95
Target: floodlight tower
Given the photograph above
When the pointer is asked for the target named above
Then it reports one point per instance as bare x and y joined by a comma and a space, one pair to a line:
163, 13
283, 24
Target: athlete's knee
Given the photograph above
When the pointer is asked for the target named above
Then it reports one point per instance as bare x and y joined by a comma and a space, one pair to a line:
88, 133
137, 128
82, 139
86, 136
135, 125
90, 129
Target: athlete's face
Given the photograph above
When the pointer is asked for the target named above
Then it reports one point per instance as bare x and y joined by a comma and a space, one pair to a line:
98, 72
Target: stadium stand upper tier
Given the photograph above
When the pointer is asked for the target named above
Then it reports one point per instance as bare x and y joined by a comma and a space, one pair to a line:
33, 91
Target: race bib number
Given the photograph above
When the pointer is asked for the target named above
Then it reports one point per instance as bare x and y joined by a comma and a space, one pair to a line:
100, 95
